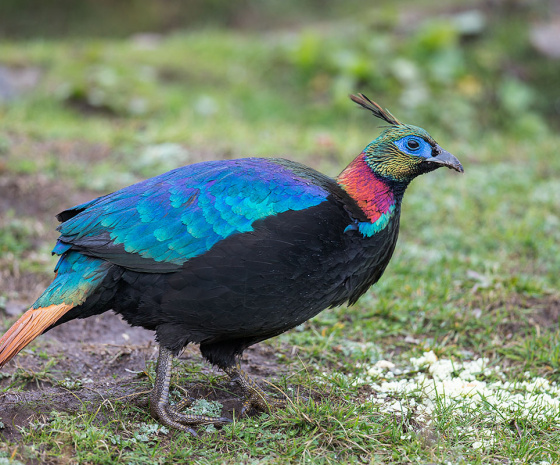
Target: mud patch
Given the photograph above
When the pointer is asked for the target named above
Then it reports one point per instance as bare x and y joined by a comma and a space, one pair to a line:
37, 194
543, 312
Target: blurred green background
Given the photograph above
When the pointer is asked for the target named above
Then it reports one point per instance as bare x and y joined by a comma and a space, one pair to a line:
469, 67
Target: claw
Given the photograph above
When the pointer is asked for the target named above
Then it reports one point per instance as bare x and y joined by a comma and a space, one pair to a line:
192, 419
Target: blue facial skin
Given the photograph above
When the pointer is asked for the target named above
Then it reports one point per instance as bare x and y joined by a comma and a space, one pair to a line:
415, 146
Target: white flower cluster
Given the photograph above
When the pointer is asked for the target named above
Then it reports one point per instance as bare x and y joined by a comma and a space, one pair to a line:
431, 386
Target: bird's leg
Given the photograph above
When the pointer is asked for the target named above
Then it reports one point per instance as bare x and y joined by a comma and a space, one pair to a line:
159, 400
256, 397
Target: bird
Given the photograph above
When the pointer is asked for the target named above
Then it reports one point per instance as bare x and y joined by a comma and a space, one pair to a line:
229, 253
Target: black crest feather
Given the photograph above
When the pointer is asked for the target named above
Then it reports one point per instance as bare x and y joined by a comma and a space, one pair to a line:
365, 102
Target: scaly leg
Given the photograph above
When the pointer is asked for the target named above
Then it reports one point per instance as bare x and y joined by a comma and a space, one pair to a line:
256, 397
159, 400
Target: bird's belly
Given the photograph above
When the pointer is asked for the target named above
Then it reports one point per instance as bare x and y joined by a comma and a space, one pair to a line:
232, 301
245, 296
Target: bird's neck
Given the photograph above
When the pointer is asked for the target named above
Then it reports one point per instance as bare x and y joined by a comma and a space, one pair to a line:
379, 198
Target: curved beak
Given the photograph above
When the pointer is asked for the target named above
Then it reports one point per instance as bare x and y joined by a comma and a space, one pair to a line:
444, 158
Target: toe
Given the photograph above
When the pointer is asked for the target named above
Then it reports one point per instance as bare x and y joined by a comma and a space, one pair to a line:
191, 419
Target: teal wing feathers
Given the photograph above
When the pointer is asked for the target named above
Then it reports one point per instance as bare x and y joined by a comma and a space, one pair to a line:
158, 224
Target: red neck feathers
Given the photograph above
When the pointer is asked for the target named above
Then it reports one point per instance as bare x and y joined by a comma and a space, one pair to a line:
374, 196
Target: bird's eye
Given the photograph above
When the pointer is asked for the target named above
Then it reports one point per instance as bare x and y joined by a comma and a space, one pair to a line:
413, 144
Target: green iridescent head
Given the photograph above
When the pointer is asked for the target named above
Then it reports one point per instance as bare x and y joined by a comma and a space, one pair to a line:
403, 151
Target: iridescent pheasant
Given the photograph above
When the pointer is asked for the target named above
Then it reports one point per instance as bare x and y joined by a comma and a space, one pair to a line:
229, 253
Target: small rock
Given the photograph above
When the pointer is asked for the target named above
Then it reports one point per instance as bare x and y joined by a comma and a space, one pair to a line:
146, 40
470, 23
411, 340
545, 38
17, 80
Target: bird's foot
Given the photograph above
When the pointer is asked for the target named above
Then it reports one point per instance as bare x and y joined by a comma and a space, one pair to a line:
255, 397
261, 401
169, 415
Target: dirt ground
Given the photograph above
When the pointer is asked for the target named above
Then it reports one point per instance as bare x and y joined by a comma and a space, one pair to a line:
108, 356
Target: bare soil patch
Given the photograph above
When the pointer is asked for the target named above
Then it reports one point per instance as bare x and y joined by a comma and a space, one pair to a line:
39, 194
546, 312
541, 313
109, 358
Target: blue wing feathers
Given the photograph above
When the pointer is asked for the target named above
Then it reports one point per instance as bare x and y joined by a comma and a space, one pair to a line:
183, 213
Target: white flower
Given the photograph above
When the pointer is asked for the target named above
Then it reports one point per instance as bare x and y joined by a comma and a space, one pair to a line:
460, 387
384, 364
427, 359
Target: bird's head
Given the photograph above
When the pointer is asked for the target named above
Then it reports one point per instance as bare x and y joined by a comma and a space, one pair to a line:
403, 151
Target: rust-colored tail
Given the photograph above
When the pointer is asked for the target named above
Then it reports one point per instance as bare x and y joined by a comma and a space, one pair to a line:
30, 325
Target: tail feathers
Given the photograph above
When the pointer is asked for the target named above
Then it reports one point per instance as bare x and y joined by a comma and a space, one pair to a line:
30, 325
77, 277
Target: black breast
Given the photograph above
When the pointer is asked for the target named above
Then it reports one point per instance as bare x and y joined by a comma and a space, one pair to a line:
258, 284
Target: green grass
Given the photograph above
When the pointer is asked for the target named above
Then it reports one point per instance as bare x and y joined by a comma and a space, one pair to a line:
475, 273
